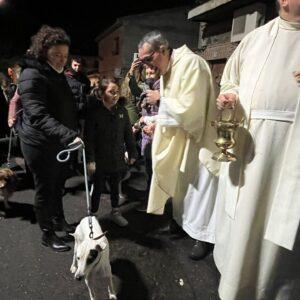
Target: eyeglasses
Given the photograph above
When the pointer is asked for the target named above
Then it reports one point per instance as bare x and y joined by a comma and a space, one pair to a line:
148, 59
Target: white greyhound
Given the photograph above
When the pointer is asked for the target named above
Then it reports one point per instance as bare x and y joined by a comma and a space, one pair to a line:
91, 259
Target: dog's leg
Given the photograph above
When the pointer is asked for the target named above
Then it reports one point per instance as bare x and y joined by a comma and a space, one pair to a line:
111, 290
111, 293
90, 291
74, 266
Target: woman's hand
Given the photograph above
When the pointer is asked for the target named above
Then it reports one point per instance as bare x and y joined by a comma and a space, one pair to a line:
11, 122
77, 140
149, 129
134, 65
152, 96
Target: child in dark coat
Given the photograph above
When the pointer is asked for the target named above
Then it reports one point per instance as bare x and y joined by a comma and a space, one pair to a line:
108, 135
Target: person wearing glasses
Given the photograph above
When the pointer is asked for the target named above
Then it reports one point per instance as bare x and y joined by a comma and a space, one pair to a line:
107, 136
186, 96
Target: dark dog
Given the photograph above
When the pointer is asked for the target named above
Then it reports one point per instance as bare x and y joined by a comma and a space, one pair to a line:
8, 180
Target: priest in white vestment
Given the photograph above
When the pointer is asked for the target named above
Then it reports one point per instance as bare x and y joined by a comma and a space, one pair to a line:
186, 93
257, 248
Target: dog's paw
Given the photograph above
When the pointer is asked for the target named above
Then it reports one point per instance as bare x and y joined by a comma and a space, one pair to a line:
73, 269
112, 294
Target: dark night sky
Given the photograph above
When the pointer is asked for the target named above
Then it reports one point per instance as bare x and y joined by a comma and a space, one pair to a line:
83, 20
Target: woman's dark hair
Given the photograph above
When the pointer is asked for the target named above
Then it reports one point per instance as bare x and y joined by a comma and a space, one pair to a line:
45, 38
105, 83
98, 91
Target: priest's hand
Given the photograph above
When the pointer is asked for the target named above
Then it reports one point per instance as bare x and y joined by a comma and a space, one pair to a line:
297, 76
226, 101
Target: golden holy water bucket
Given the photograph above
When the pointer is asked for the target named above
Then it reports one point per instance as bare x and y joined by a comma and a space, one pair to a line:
226, 129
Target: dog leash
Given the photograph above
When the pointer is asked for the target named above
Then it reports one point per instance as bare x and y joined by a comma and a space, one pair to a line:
11, 132
71, 148
9, 148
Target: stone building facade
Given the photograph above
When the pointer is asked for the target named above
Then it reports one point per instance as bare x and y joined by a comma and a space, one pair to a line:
223, 24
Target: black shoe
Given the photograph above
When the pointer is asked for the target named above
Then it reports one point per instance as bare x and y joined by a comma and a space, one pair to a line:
199, 250
50, 239
60, 224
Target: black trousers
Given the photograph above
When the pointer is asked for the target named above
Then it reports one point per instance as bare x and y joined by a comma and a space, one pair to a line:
49, 177
148, 167
100, 178
148, 164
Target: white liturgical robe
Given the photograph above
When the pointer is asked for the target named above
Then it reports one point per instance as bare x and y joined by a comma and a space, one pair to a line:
257, 247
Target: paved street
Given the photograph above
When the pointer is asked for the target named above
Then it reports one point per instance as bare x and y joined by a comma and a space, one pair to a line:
147, 262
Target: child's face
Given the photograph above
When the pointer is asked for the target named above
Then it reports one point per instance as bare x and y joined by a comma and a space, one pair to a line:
151, 72
111, 94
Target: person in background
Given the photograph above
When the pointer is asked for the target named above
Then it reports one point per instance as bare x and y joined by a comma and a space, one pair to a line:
107, 136
131, 89
13, 72
48, 124
79, 84
4, 84
15, 107
147, 123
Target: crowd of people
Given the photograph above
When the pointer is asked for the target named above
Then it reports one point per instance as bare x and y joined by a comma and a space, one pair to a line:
161, 112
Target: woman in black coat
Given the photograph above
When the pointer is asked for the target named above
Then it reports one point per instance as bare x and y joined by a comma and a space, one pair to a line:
108, 135
48, 124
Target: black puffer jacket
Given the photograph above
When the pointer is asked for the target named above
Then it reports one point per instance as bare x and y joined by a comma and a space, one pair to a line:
80, 87
107, 136
49, 111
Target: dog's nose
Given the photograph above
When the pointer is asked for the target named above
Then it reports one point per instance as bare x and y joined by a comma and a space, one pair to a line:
78, 277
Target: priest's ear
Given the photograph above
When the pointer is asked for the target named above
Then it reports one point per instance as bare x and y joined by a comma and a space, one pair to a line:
163, 50
282, 4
